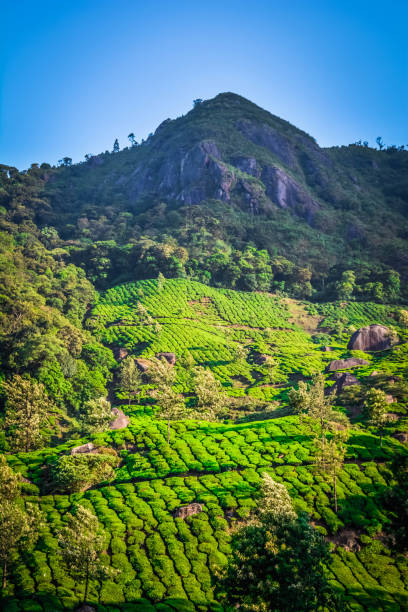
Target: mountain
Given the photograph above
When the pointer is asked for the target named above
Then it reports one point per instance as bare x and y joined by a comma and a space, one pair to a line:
229, 175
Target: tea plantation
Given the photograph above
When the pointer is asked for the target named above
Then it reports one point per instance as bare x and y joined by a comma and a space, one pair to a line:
168, 563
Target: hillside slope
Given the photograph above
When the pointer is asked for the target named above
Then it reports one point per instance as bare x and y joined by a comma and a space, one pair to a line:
174, 561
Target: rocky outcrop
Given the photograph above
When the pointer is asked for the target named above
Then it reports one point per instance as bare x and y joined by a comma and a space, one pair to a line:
266, 136
370, 338
342, 381
169, 357
189, 510
345, 364
286, 193
85, 448
249, 165
120, 421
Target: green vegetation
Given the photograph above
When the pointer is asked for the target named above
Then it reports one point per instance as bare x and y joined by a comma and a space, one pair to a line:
211, 330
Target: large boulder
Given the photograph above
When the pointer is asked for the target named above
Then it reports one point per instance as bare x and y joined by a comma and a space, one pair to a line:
345, 364
370, 338
120, 421
342, 381
85, 448
169, 357
189, 510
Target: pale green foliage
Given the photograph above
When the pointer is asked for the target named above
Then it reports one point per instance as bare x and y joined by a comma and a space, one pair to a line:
171, 406
376, 406
269, 367
26, 412
78, 472
275, 504
18, 525
161, 279
82, 544
211, 399
162, 374
403, 317
10, 482
96, 415
330, 458
312, 402
130, 377
143, 316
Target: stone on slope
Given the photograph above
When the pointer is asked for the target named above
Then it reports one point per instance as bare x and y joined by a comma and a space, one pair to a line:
189, 510
370, 338
120, 421
169, 357
345, 364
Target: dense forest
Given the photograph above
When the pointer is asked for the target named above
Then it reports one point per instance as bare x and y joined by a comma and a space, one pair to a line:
203, 372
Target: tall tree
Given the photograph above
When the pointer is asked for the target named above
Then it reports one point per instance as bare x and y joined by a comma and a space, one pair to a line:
130, 378
26, 412
171, 406
376, 407
329, 460
116, 147
211, 399
19, 524
82, 544
132, 139
277, 560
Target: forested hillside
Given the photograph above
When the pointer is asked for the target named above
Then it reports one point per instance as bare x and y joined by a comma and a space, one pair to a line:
203, 371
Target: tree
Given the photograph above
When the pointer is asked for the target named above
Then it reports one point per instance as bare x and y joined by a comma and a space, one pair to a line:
330, 459
315, 405
403, 317
26, 412
376, 407
96, 415
277, 560
19, 525
82, 544
130, 378
80, 471
197, 102
211, 400
65, 161
171, 406
116, 147
345, 286
380, 142
160, 281
132, 139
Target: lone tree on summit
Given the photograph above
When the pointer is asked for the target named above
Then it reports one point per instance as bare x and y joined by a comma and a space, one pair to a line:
116, 147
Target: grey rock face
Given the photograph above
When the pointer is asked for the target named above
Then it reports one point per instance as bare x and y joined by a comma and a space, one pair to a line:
370, 338
345, 364
264, 135
286, 193
85, 448
189, 510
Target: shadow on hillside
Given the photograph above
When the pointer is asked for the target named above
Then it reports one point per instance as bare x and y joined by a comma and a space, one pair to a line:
51, 603
367, 598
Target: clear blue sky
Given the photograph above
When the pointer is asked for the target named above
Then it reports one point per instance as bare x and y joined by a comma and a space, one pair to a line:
76, 74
